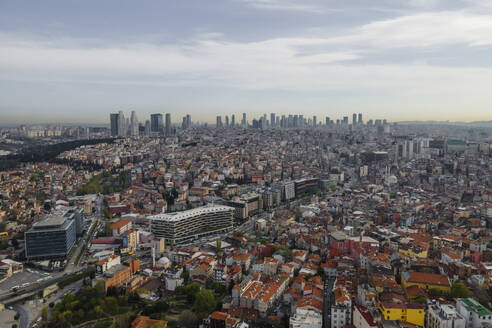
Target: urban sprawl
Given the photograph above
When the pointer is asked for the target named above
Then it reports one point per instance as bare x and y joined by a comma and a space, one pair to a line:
276, 221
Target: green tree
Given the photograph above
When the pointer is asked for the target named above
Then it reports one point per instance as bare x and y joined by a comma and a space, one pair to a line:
159, 325
186, 276
459, 290
100, 288
99, 311
187, 319
107, 213
298, 213
218, 245
108, 231
320, 272
110, 305
191, 291
204, 303
44, 313
122, 321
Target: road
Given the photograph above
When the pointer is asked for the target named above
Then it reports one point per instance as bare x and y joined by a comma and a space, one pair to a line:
29, 280
27, 316
327, 301
24, 319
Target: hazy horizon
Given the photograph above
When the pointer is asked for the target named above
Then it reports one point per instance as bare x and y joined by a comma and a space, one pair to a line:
401, 60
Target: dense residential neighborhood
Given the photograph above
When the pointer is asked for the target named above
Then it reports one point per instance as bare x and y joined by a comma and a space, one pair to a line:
285, 224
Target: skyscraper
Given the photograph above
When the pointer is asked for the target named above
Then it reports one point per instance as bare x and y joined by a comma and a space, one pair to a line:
244, 123
233, 120
168, 124
114, 119
360, 119
121, 124
218, 123
327, 121
354, 119
156, 123
147, 128
227, 121
272, 120
345, 120
315, 121
188, 121
134, 124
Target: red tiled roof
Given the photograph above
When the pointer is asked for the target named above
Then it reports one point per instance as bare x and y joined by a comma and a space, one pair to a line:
428, 278
217, 315
119, 224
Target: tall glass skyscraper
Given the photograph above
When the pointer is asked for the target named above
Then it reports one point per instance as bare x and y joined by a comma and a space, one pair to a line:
156, 123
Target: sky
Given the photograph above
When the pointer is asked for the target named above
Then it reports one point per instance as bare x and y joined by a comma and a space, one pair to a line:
77, 61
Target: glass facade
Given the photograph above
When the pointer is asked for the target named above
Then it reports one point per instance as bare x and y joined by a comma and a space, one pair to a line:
53, 241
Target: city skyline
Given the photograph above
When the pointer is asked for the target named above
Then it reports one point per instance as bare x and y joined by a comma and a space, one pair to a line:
404, 60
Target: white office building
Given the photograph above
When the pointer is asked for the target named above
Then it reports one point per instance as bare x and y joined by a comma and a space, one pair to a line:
181, 227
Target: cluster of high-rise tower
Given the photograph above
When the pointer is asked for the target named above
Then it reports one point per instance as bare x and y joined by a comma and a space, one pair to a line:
121, 127
158, 124
294, 121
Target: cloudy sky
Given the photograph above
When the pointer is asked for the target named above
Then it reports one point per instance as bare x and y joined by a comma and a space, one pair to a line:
77, 61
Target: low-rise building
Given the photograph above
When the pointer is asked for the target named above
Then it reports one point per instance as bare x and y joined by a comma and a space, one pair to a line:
475, 314
444, 316
426, 281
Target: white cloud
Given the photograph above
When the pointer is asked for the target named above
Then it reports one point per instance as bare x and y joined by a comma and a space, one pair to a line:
280, 63
286, 5
422, 30
270, 64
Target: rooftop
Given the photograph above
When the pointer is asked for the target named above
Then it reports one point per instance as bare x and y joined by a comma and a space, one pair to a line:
178, 216
472, 305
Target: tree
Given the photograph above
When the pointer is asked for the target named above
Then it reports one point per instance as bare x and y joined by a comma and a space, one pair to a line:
459, 290
100, 289
108, 231
191, 291
44, 313
99, 311
159, 325
122, 321
320, 272
298, 213
186, 276
110, 305
187, 319
218, 245
204, 302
